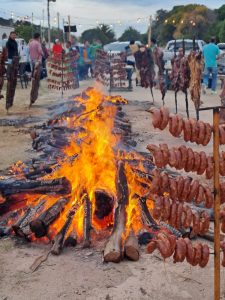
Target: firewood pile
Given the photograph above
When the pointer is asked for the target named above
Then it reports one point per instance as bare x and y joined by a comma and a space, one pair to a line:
89, 180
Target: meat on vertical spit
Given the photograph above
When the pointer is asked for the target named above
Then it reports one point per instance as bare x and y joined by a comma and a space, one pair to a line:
3, 57
158, 59
195, 61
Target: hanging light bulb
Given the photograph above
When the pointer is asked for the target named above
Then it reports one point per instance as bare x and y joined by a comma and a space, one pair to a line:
166, 21
174, 21
182, 21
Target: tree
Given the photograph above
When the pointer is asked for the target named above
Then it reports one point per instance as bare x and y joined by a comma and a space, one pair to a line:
130, 34
24, 31
221, 34
103, 33
221, 12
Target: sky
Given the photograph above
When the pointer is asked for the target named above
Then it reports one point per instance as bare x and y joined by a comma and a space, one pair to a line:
120, 14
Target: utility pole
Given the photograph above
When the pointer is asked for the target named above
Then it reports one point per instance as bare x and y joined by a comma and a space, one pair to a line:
32, 25
58, 22
64, 39
150, 30
49, 25
69, 28
43, 25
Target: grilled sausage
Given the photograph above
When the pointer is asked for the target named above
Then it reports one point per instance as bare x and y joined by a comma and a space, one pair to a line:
151, 247
209, 169
208, 134
203, 164
187, 130
204, 223
197, 162
190, 161
164, 117
180, 251
209, 199
205, 256
194, 190
201, 195
156, 118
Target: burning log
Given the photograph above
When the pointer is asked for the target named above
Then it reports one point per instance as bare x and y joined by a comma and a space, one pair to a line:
22, 226
40, 226
60, 237
12, 187
104, 203
113, 248
87, 221
131, 248
71, 240
146, 216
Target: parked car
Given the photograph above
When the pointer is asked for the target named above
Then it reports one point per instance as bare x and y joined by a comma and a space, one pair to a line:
188, 44
221, 61
118, 47
3, 43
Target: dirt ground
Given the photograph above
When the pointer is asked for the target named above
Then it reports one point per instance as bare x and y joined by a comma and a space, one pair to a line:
81, 274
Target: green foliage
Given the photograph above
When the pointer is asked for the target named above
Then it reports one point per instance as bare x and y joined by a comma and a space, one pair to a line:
24, 31
186, 21
221, 13
221, 34
130, 34
103, 33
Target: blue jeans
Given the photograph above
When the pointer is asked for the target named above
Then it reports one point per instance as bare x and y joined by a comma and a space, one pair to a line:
211, 71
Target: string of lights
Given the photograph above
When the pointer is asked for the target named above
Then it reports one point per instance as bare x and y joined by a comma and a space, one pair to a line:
80, 21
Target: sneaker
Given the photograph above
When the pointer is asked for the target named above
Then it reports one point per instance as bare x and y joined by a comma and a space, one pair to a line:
204, 89
213, 92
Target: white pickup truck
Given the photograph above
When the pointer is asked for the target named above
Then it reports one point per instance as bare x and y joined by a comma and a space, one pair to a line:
188, 44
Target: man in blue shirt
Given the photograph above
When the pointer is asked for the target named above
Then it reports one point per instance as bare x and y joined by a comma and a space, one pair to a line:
210, 52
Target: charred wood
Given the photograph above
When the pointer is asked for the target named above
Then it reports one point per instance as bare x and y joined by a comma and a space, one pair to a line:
131, 247
40, 225
113, 248
12, 187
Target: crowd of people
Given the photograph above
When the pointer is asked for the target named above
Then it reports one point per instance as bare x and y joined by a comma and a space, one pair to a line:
36, 51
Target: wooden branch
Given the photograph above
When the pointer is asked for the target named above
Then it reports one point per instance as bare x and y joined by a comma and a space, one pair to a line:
40, 226
113, 248
22, 226
87, 222
131, 247
12, 187
59, 239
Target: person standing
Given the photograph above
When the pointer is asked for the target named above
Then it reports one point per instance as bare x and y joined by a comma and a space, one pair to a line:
35, 50
57, 49
12, 47
24, 58
12, 69
210, 53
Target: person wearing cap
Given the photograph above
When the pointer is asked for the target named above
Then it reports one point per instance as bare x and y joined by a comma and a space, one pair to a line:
57, 48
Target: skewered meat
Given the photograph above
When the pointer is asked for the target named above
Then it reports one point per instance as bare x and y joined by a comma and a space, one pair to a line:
151, 247
205, 222
156, 118
194, 190
165, 117
159, 61
3, 58
222, 135
208, 134
196, 65
209, 169
165, 151
158, 206
173, 125
180, 251
209, 199
187, 130
205, 256
222, 245
203, 163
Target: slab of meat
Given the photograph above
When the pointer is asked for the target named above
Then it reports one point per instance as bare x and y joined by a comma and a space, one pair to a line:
160, 63
3, 57
145, 64
196, 65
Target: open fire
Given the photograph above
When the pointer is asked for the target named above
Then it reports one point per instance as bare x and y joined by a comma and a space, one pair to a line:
95, 186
